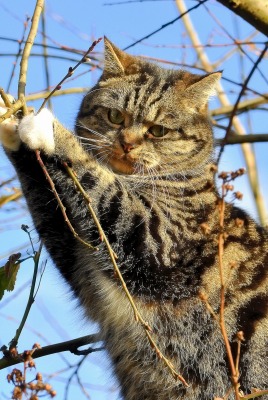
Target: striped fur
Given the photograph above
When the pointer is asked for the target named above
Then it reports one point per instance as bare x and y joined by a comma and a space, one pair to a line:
152, 202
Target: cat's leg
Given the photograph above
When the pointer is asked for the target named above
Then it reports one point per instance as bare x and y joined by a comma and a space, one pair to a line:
45, 133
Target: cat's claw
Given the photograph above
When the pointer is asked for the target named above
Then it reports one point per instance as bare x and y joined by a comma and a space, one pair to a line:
36, 131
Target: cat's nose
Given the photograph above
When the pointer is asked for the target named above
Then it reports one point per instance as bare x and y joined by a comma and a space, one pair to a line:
127, 147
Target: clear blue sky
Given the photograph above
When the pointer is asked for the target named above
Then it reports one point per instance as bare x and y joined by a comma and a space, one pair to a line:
75, 24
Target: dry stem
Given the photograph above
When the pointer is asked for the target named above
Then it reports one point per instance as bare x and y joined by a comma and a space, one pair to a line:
113, 257
222, 293
70, 73
63, 209
26, 53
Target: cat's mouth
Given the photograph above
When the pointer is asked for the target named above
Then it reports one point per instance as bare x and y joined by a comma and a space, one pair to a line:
122, 163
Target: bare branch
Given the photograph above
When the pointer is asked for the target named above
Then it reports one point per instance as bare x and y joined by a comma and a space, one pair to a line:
166, 24
255, 12
71, 345
70, 72
30, 302
242, 106
239, 97
26, 53
239, 139
250, 159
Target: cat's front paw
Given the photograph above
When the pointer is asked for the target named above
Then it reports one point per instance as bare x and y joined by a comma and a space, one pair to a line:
8, 128
36, 131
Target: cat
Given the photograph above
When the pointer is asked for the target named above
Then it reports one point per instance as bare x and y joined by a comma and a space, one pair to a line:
143, 151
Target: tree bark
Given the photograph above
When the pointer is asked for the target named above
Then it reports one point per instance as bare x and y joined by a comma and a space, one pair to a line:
255, 12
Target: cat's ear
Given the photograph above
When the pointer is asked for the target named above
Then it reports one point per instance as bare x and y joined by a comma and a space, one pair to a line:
116, 61
202, 88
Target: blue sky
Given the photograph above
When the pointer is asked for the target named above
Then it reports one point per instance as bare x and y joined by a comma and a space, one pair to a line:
76, 25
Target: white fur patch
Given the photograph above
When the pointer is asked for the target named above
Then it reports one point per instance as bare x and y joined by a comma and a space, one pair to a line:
36, 131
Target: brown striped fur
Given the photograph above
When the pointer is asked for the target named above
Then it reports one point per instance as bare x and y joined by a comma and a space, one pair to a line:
152, 196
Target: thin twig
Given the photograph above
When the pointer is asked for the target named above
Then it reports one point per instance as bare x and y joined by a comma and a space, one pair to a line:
44, 42
70, 345
239, 139
25, 26
63, 209
14, 341
26, 53
222, 296
245, 105
70, 73
138, 317
166, 24
239, 97
225, 187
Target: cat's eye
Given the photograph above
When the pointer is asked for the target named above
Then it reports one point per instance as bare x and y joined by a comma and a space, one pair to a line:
158, 130
115, 116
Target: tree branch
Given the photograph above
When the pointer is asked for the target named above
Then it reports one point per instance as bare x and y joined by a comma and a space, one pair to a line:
255, 12
26, 53
242, 106
70, 345
239, 139
248, 152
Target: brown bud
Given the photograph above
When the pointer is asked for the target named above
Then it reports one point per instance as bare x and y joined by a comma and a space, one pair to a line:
31, 364
229, 187
34, 397
32, 385
39, 376
238, 195
13, 352
242, 171
27, 355
53, 393
17, 393
223, 175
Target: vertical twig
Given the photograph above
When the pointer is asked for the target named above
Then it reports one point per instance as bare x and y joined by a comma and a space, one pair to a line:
222, 292
25, 26
36, 258
44, 42
138, 317
26, 53
70, 72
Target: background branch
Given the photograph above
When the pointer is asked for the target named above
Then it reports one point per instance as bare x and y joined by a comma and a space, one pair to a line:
254, 12
70, 345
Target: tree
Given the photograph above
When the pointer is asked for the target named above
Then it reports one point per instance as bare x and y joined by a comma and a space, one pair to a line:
238, 112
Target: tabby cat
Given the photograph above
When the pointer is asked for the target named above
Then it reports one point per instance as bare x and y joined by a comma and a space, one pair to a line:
143, 152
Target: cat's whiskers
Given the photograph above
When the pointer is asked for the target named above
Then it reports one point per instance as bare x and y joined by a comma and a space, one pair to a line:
102, 156
81, 138
87, 128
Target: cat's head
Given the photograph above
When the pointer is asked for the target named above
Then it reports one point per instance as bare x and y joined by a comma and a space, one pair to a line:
144, 119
